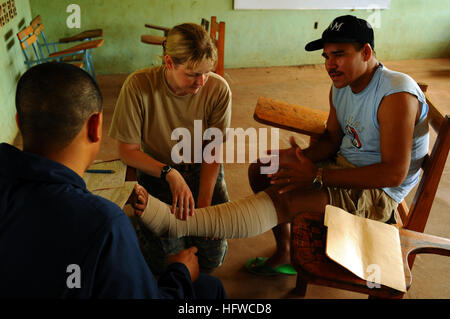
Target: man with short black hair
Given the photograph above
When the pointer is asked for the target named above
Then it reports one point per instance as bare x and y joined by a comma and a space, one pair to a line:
58, 240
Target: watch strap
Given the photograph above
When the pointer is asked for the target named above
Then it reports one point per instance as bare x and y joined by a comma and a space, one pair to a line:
318, 180
164, 171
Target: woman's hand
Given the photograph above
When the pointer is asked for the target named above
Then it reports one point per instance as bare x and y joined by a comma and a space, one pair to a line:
183, 203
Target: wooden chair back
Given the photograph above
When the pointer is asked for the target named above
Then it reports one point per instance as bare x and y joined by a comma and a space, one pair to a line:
217, 32
79, 55
155, 39
41, 39
27, 39
415, 217
50, 47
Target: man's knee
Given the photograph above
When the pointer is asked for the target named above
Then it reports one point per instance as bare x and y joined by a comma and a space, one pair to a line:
258, 181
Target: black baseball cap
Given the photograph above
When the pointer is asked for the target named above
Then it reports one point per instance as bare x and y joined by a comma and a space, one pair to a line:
346, 28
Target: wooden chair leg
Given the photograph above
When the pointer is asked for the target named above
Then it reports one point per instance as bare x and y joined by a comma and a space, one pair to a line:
300, 288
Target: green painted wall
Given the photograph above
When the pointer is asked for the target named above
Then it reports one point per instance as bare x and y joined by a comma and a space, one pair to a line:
11, 68
409, 29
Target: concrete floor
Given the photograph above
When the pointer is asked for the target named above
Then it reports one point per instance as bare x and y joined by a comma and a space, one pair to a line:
309, 86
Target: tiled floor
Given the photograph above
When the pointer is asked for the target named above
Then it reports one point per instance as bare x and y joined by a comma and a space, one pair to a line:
307, 86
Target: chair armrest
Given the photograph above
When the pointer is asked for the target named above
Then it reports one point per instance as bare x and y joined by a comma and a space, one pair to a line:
80, 47
152, 39
88, 34
157, 27
291, 117
420, 243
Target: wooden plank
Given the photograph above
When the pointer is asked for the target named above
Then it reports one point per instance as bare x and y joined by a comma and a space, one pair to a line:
152, 39
214, 27
435, 115
220, 69
418, 243
25, 32
39, 29
80, 47
426, 191
95, 33
29, 41
157, 27
292, 117
402, 210
36, 21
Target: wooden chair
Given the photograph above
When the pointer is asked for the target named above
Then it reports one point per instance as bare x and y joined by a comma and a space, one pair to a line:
308, 236
80, 54
33, 54
217, 32
154, 39
85, 36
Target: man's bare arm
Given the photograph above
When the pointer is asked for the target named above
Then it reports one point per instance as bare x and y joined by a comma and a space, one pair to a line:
397, 115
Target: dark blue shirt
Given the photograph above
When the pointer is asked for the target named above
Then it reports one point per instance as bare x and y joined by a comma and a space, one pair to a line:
50, 221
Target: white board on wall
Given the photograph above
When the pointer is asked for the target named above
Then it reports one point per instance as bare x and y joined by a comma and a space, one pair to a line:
309, 4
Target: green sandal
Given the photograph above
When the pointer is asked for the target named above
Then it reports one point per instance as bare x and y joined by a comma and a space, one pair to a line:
258, 266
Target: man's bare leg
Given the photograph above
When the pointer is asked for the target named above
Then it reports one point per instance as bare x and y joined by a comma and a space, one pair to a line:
282, 255
243, 218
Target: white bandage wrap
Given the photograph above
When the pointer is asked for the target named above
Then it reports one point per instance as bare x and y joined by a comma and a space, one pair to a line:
243, 218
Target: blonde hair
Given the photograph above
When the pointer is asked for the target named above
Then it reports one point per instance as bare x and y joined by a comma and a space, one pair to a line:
190, 43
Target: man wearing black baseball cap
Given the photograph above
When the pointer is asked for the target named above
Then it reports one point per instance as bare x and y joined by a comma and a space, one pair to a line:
344, 29
341, 35
370, 155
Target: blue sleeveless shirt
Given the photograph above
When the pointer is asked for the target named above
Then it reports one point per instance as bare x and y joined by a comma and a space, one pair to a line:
357, 116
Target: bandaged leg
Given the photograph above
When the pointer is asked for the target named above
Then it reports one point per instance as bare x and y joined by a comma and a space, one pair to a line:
236, 219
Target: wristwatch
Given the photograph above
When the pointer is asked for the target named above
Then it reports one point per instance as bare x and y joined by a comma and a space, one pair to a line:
318, 182
164, 171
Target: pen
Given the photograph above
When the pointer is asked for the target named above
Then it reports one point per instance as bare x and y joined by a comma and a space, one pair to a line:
100, 171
